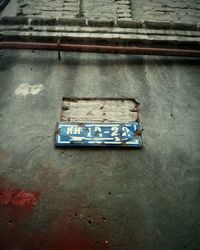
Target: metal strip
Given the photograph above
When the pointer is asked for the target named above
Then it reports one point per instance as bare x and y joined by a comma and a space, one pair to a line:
100, 49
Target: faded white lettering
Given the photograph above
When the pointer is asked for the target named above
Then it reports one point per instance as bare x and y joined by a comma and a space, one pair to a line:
74, 130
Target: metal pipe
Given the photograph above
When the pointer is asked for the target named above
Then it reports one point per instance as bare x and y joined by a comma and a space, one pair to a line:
100, 49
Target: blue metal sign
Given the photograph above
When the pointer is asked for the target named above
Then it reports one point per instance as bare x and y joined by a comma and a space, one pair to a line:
91, 134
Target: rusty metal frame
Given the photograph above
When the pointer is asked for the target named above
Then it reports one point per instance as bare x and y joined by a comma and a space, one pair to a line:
100, 49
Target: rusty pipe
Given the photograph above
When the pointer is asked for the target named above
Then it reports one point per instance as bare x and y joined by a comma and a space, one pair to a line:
100, 49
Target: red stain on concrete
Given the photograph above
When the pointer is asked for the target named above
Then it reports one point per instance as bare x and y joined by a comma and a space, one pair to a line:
66, 230
71, 239
18, 203
18, 198
65, 237
16, 206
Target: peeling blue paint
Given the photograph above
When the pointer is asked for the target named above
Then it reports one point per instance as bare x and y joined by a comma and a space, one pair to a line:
94, 134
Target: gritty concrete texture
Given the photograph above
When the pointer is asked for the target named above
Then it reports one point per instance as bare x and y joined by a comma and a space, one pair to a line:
162, 10
99, 198
148, 10
149, 34
10, 9
121, 22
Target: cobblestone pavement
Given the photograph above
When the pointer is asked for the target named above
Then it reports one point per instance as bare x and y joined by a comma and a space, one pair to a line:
159, 10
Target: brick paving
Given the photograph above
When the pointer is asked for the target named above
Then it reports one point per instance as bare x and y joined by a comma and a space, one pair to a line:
125, 10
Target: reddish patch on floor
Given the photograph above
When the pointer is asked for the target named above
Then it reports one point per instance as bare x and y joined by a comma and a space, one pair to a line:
18, 198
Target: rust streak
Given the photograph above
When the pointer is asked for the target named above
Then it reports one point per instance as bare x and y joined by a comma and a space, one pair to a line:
100, 49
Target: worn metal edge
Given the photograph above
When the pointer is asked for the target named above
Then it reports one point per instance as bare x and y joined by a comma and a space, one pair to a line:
121, 146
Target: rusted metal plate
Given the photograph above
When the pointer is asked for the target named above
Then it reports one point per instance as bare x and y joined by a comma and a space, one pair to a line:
90, 134
99, 122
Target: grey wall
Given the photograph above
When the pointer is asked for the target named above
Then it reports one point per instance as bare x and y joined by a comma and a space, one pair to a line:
124, 199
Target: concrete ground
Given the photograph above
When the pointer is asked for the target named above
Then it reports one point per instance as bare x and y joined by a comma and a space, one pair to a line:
99, 198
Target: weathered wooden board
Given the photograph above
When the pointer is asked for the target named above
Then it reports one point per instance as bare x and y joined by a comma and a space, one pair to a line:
99, 110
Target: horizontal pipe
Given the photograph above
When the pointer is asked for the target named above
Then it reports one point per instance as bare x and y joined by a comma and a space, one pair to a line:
100, 49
